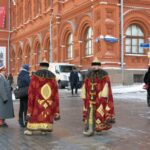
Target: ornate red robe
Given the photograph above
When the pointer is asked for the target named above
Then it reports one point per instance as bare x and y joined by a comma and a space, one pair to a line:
98, 99
43, 103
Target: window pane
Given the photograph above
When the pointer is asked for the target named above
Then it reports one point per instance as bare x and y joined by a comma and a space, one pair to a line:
90, 44
128, 41
128, 49
141, 41
134, 42
87, 45
128, 32
134, 30
70, 46
134, 49
90, 51
90, 33
141, 50
88, 41
140, 33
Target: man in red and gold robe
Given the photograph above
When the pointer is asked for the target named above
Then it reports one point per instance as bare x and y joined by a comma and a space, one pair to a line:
43, 101
98, 111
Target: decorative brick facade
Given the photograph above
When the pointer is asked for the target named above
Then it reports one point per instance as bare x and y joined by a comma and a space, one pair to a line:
30, 36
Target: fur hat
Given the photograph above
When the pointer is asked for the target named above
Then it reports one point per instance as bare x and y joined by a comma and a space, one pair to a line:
44, 63
26, 67
96, 62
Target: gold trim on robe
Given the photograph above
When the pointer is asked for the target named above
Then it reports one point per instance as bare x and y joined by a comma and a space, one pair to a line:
83, 92
104, 92
42, 126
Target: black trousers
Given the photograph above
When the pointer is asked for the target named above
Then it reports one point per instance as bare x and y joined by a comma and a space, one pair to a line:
74, 86
23, 110
148, 97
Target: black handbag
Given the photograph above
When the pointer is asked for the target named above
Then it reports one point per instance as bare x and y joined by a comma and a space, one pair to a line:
21, 92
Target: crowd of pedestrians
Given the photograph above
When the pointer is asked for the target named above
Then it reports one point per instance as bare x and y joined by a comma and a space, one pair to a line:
40, 107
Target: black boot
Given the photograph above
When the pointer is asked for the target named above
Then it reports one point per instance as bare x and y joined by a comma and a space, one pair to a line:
21, 123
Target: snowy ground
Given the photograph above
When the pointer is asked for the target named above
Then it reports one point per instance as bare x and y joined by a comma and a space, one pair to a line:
133, 93
120, 89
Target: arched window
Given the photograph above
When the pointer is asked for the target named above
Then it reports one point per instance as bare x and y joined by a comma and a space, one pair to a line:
88, 41
70, 46
134, 37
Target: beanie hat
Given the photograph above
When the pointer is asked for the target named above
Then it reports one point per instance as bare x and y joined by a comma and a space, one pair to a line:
26, 67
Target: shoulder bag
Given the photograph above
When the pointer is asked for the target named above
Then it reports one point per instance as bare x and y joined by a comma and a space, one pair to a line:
21, 92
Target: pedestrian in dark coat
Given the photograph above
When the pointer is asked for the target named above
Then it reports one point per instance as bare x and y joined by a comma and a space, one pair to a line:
23, 81
74, 81
6, 103
11, 80
147, 81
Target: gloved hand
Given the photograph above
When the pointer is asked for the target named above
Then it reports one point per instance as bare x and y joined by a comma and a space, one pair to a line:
5, 101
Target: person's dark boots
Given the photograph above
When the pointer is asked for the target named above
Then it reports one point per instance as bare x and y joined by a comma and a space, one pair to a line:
72, 92
76, 91
21, 123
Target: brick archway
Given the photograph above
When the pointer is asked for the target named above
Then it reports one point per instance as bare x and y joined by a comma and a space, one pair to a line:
66, 30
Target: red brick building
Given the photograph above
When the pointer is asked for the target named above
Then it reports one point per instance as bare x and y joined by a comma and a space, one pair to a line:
79, 29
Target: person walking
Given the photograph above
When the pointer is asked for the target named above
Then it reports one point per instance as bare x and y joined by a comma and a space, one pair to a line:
98, 112
43, 104
6, 103
23, 80
147, 83
74, 81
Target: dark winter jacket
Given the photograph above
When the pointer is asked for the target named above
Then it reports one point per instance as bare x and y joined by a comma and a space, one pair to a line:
74, 78
147, 77
23, 78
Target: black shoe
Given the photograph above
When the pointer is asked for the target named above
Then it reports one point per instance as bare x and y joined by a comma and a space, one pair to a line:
21, 124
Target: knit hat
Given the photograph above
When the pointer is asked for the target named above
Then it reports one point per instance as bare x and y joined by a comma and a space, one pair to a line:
26, 67
96, 62
44, 63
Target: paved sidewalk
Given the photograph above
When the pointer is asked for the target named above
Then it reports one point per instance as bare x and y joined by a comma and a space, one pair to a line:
130, 132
